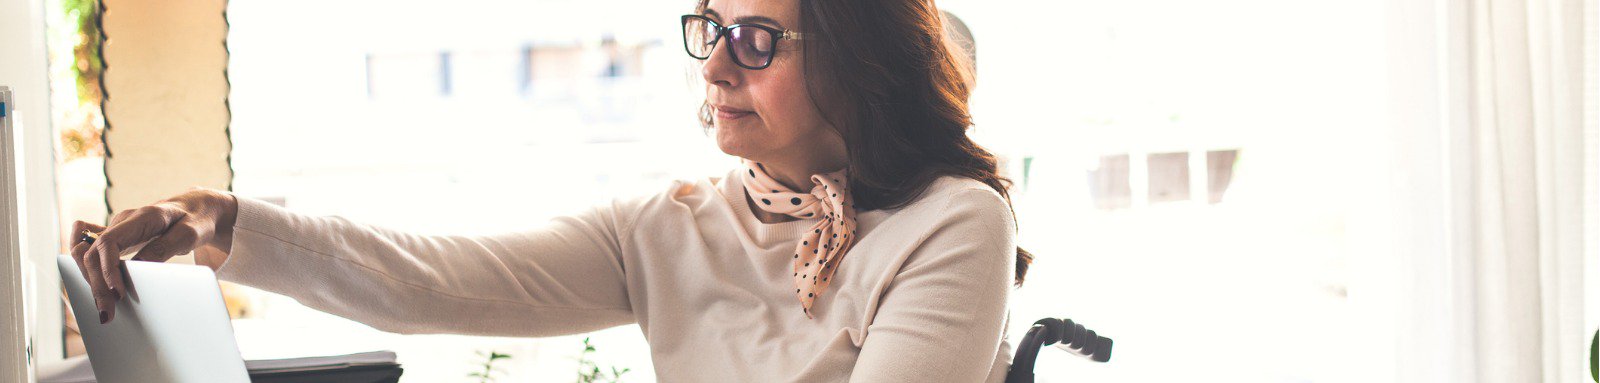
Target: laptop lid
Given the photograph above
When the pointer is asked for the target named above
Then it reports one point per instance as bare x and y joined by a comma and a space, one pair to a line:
171, 326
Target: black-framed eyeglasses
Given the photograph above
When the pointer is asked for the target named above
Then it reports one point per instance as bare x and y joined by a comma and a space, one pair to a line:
752, 45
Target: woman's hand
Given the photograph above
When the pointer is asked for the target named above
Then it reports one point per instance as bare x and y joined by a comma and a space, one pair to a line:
200, 220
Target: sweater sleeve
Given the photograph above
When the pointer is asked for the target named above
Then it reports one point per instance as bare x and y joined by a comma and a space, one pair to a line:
941, 318
564, 277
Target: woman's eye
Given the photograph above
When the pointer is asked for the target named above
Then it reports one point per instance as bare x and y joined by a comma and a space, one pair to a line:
760, 46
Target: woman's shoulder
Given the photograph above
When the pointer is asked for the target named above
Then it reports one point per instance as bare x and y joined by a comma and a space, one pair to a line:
684, 194
953, 202
678, 190
961, 193
953, 218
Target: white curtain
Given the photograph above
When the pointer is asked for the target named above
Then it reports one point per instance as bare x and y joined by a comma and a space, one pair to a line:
1524, 187
1495, 200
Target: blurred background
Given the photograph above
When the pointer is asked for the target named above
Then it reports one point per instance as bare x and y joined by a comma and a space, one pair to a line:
1234, 190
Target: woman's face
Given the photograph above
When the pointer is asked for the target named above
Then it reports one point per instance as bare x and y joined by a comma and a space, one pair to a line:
765, 115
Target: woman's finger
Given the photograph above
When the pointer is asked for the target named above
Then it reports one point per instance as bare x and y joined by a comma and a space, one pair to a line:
80, 227
147, 221
111, 269
81, 243
120, 216
78, 250
104, 299
105, 259
180, 238
80, 255
140, 226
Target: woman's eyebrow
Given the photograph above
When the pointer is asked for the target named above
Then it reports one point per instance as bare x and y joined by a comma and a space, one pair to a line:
746, 19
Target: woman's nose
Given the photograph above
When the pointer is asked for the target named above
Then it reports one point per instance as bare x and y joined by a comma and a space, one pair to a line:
719, 69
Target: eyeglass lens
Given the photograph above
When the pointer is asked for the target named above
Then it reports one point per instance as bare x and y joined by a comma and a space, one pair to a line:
752, 46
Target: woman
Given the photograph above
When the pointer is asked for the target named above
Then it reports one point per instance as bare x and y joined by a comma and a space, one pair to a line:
858, 179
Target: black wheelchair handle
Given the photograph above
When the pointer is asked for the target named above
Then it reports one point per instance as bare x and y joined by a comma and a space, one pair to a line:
1076, 339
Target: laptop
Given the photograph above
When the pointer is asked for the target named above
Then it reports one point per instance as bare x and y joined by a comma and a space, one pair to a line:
170, 326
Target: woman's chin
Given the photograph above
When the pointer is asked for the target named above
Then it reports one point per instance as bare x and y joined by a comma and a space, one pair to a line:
735, 142
732, 147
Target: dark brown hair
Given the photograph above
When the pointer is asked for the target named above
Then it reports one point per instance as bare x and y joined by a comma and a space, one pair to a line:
886, 76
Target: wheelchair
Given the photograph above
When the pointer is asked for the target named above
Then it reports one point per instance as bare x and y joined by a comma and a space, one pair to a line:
1064, 334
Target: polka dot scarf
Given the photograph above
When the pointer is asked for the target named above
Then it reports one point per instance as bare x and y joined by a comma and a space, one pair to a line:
823, 246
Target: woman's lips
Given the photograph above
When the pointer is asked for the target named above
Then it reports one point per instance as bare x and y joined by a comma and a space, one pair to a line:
729, 114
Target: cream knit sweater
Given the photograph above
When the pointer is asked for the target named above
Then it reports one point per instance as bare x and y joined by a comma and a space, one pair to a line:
920, 298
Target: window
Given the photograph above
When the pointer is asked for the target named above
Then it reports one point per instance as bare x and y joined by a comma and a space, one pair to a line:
1193, 171
435, 118
1182, 166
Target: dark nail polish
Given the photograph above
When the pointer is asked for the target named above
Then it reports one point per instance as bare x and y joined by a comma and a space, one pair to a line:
104, 317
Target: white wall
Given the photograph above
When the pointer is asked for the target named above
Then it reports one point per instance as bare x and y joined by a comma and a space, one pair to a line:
22, 45
11, 319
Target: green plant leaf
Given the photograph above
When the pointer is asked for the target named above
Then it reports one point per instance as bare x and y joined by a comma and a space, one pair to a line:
590, 371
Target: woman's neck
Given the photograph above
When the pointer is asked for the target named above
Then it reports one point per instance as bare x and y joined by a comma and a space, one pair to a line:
798, 176
795, 177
